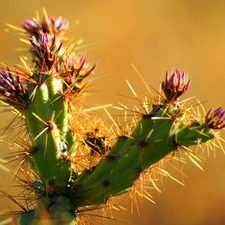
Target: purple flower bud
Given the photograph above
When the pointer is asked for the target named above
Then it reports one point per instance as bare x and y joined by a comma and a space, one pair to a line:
50, 25
215, 119
46, 50
76, 69
31, 26
175, 85
12, 88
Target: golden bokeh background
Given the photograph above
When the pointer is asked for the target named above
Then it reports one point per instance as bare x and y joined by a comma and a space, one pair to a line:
154, 35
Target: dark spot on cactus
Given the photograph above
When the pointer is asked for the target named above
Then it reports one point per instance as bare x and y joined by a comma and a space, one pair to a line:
93, 168
139, 170
115, 158
106, 183
123, 137
143, 143
51, 126
34, 149
98, 143
112, 157
147, 116
52, 185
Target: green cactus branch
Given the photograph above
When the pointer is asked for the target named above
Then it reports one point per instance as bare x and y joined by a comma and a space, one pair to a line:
75, 163
155, 136
47, 131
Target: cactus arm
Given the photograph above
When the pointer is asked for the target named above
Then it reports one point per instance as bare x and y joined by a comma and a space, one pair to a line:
45, 131
194, 134
153, 138
121, 168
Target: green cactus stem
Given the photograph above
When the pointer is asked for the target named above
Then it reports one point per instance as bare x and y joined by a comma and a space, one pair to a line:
59, 212
46, 131
155, 136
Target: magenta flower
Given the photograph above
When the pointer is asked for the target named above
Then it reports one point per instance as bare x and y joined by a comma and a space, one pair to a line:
31, 26
52, 25
55, 25
45, 50
76, 69
215, 119
12, 88
175, 85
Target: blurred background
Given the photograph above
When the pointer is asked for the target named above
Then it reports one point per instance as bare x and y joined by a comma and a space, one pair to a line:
154, 35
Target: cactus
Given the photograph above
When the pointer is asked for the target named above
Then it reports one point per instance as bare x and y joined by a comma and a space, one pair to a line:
72, 161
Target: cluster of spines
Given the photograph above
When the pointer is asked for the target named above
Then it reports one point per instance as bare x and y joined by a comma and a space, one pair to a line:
46, 95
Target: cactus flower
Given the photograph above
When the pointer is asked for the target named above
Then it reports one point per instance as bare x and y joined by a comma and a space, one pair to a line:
12, 88
175, 85
215, 119
48, 25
